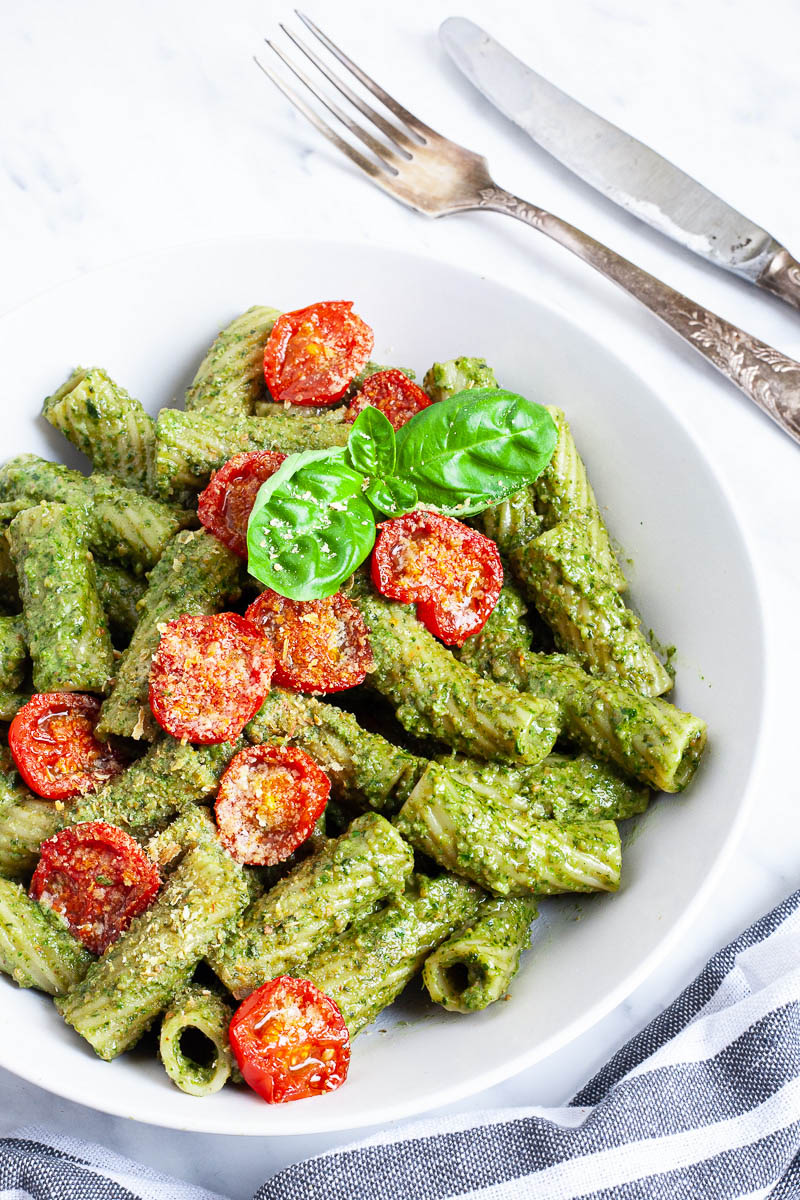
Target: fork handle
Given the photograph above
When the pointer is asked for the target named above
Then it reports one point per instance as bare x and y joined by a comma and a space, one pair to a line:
769, 378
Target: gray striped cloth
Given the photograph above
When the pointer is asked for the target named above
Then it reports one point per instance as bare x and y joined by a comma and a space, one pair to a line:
703, 1104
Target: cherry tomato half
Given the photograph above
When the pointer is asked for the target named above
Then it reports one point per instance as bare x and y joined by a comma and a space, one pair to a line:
312, 354
209, 677
269, 800
224, 507
53, 745
320, 645
97, 878
397, 396
290, 1041
452, 572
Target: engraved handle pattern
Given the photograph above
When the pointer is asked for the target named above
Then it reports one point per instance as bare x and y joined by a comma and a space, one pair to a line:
769, 378
782, 278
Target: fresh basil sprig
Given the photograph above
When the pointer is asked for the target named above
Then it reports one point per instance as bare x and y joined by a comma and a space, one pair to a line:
474, 449
310, 526
314, 520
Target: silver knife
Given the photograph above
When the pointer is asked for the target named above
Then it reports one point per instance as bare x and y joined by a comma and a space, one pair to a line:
620, 166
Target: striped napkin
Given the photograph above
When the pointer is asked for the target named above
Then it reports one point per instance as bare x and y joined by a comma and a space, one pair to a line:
703, 1104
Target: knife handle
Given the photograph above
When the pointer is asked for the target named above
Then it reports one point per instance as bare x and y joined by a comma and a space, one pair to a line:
782, 278
770, 379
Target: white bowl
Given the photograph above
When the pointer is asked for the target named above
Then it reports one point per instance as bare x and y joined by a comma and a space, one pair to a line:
148, 322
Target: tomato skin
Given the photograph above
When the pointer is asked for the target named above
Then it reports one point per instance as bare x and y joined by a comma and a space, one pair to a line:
452, 572
209, 677
54, 748
397, 397
313, 353
269, 800
290, 1041
97, 878
224, 507
320, 646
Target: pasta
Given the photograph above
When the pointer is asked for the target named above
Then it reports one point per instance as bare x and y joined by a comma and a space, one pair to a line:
124, 991
122, 525
168, 778
13, 653
475, 966
367, 968
436, 696
503, 847
309, 860
317, 900
230, 379
190, 445
196, 574
25, 822
648, 738
65, 625
193, 1042
570, 590
563, 491
35, 950
105, 423
364, 768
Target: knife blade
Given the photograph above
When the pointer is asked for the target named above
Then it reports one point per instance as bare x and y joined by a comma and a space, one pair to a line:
619, 166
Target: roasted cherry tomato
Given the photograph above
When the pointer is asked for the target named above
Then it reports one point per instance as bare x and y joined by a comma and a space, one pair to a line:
452, 572
53, 744
397, 396
209, 676
290, 1041
312, 354
320, 645
224, 507
269, 800
97, 878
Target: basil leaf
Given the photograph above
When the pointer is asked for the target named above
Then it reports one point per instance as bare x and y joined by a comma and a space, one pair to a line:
391, 496
310, 526
474, 449
370, 446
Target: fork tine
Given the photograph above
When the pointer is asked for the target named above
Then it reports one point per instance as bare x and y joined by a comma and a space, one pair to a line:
422, 130
398, 136
370, 168
384, 153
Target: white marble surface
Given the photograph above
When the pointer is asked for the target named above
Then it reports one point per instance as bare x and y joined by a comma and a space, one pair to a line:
134, 126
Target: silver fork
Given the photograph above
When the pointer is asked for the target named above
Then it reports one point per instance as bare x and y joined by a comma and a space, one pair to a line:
435, 176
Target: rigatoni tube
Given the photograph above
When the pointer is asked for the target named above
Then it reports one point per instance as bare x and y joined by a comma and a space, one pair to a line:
25, 822
105, 423
134, 981
648, 738
475, 966
193, 1043
362, 766
230, 379
120, 593
169, 777
563, 491
565, 788
437, 696
318, 900
366, 969
589, 619
196, 574
65, 625
122, 525
503, 848
190, 445
35, 948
